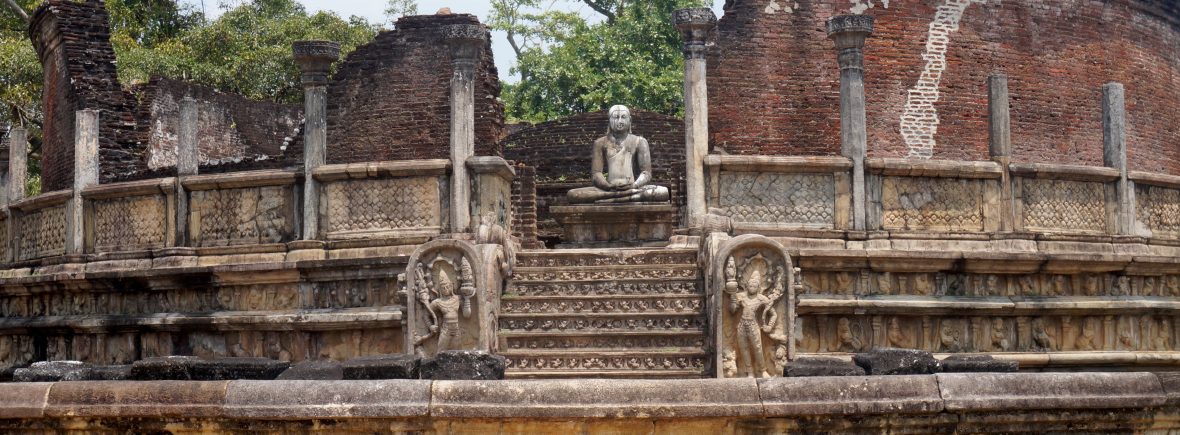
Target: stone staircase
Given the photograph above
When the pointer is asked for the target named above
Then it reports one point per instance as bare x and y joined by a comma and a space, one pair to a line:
605, 313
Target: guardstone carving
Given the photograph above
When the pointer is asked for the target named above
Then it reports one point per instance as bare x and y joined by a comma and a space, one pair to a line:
753, 289
451, 304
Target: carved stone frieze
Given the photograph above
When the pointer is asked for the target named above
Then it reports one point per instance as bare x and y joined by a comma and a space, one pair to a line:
925, 203
764, 197
603, 288
41, 233
1063, 205
753, 285
375, 205
130, 223
690, 304
614, 322
637, 259
589, 363
242, 216
954, 334
600, 342
987, 285
1159, 209
604, 274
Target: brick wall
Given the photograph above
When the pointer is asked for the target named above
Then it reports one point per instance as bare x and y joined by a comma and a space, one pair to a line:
560, 152
390, 99
73, 43
524, 206
231, 129
774, 81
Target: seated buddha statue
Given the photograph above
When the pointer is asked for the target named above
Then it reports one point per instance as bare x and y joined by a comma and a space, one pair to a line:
626, 160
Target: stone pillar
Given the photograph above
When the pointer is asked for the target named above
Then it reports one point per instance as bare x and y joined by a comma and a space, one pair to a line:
694, 25
1000, 145
1114, 153
849, 33
18, 175
187, 160
85, 175
315, 59
465, 41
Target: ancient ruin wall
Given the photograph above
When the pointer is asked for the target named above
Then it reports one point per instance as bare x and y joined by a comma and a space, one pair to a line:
390, 99
73, 42
774, 85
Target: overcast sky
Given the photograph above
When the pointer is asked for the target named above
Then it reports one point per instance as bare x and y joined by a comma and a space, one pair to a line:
374, 11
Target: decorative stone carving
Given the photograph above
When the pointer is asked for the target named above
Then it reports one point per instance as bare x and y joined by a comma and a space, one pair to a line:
130, 223
761, 197
1063, 205
753, 286
1159, 209
361, 207
924, 203
626, 159
242, 216
451, 308
42, 233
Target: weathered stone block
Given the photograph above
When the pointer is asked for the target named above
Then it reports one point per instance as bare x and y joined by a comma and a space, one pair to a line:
327, 399
820, 366
206, 369
850, 395
615, 225
1018, 391
382, 367
317, 370
463, 365
51, 371
891, 361
976, 364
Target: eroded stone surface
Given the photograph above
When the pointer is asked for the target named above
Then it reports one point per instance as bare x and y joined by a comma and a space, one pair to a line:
52, 371
463, 365
318, 370
892, 361
206, 369
821, 366
976, 363
382, 367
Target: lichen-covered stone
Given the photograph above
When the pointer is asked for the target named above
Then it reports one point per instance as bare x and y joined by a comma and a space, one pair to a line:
976, 364
382, 367
51, 371
821, 366
892, 361
463, 365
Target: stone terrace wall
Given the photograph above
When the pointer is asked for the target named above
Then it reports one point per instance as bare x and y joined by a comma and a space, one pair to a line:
774, 83
560, 152
524, 206
390, 99
230, 128
73, 42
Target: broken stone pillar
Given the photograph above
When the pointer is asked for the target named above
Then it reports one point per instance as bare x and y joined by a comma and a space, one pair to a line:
694, 25
1000, 145
465, 41
849, 33
315, 59
18, 174
1114, 153
85, 175
186, 164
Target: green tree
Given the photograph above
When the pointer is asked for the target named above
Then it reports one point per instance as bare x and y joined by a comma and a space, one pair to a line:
395, 9
570, 65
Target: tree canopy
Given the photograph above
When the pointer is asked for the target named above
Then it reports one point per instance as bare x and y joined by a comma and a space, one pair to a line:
568, 64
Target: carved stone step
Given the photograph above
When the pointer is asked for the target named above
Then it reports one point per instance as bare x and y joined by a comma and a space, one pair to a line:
601, 322
604, 374
614, 304
593, 342
605, 257
577, 364
603, 288
607, 273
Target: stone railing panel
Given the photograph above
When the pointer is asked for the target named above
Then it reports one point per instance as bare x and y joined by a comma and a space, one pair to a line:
382, 199
1063, 205
241, 209
925, 203
788, 192
41, 226
1157, 200
129, 216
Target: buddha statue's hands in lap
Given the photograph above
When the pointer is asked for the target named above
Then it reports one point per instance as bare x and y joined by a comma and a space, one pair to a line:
627, 163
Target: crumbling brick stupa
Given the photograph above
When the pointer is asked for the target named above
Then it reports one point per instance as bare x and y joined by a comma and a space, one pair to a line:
967, 178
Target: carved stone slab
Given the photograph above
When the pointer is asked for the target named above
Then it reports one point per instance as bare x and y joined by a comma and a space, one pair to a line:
452, 289
615, 225
752, 281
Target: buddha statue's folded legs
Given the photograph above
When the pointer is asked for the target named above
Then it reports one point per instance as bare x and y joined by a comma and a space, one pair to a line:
648, 193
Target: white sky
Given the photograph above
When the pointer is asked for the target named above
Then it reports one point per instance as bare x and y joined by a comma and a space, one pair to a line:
374, 11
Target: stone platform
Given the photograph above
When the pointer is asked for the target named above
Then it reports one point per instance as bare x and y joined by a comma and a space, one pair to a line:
1135, 402
615, 225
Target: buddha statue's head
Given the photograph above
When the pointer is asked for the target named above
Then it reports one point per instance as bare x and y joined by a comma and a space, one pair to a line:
620, 119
